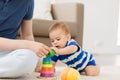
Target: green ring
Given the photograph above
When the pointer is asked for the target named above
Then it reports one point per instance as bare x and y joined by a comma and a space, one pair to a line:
51, 53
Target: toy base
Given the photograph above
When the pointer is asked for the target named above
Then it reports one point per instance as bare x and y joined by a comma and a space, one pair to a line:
47, 78
47, 75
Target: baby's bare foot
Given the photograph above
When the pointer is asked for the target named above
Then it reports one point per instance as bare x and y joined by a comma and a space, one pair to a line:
38, 69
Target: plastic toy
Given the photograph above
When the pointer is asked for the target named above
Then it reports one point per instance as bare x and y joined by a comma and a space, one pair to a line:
52, 53
47, 68
70, 74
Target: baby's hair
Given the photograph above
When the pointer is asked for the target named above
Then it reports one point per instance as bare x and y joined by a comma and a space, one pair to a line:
59, 25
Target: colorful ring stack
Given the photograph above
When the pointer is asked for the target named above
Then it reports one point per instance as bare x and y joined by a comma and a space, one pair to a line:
47, 68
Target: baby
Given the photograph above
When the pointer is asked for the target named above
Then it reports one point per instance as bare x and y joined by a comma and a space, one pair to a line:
69, 51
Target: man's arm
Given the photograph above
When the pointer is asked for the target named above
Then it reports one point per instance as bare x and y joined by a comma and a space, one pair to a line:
26, 33
26, 30
11, 44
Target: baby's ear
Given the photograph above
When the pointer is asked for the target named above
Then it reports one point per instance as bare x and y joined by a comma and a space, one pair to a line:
68, 36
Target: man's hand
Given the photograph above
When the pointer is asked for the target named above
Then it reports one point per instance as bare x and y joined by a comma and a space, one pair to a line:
43, 50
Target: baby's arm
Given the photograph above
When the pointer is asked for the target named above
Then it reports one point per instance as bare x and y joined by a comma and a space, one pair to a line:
66, 50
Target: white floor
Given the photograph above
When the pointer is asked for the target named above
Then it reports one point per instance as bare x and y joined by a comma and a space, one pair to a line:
109, 68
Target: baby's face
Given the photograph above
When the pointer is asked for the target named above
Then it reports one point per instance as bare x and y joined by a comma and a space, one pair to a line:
59, 38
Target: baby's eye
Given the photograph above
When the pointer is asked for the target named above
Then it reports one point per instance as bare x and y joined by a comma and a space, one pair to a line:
58, 39
52, 40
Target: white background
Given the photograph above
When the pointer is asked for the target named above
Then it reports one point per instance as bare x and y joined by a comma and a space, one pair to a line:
118, 42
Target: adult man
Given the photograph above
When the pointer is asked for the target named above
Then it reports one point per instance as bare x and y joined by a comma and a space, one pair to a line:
17, 57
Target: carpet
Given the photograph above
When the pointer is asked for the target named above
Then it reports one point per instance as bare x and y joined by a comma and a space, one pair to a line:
106, 73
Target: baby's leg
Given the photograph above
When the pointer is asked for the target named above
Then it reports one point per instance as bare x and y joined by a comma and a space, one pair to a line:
17, 63
92, 70
38, 66
54, 64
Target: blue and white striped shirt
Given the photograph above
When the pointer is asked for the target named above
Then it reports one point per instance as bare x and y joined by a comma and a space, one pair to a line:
77, 60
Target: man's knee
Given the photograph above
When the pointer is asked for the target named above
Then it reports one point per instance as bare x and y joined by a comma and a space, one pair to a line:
27, 58
24, 62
